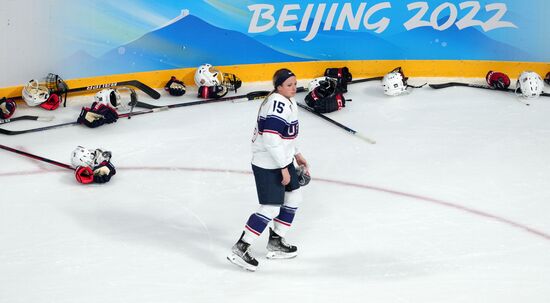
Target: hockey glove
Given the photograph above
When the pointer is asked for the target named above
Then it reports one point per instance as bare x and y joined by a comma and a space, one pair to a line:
52, 103
7, 108
104, 172
175, 87
547, 78
497, 80
208, 92
84, 174
330, 104
325, 99
97, 115
342, 76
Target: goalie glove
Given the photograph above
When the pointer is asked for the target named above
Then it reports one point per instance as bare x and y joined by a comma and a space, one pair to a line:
97, 115
175, 87
212, 92
84, 174
103, 172
497, 80
7, 108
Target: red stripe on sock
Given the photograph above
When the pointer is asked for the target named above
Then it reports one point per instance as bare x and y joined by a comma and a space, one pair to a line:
251, 230
282, 222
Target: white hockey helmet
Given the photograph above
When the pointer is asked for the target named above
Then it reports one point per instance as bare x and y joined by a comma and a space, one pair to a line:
207, 75
82, 157
530, 84
35, 94
313, 84
108, 96
394, 83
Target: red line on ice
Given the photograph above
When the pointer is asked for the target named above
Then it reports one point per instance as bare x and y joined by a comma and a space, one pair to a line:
343, 183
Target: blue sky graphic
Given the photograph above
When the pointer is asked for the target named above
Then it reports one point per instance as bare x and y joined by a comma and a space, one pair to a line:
98, 27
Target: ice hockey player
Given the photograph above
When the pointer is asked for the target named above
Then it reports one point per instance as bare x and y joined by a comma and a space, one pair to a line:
92, 166
102, 111
7, 108
277, 181
324, 95
497, 80
175, 87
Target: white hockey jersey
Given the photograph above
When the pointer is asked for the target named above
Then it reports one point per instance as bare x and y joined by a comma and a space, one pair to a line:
274, 140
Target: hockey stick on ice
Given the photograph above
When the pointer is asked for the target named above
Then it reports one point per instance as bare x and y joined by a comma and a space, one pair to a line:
135, 83
365, 80
349, 130
26, 117
303, 89
250, 96
451, 84
156, 108
132, 103
34, 130
148, 111
63, 165
151, 109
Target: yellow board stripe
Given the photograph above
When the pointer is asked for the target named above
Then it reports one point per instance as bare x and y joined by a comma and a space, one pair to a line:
312, 69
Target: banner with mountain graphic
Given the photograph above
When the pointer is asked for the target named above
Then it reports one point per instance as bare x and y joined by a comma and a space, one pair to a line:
102, 37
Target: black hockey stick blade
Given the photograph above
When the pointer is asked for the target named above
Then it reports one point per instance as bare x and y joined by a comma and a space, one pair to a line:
445, 85
27, 117
146, 89
349, 130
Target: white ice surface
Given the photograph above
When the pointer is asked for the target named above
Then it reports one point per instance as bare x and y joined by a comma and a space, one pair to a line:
451, 205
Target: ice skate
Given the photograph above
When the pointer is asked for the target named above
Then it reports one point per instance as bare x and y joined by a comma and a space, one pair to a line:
277, 248
240, 256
